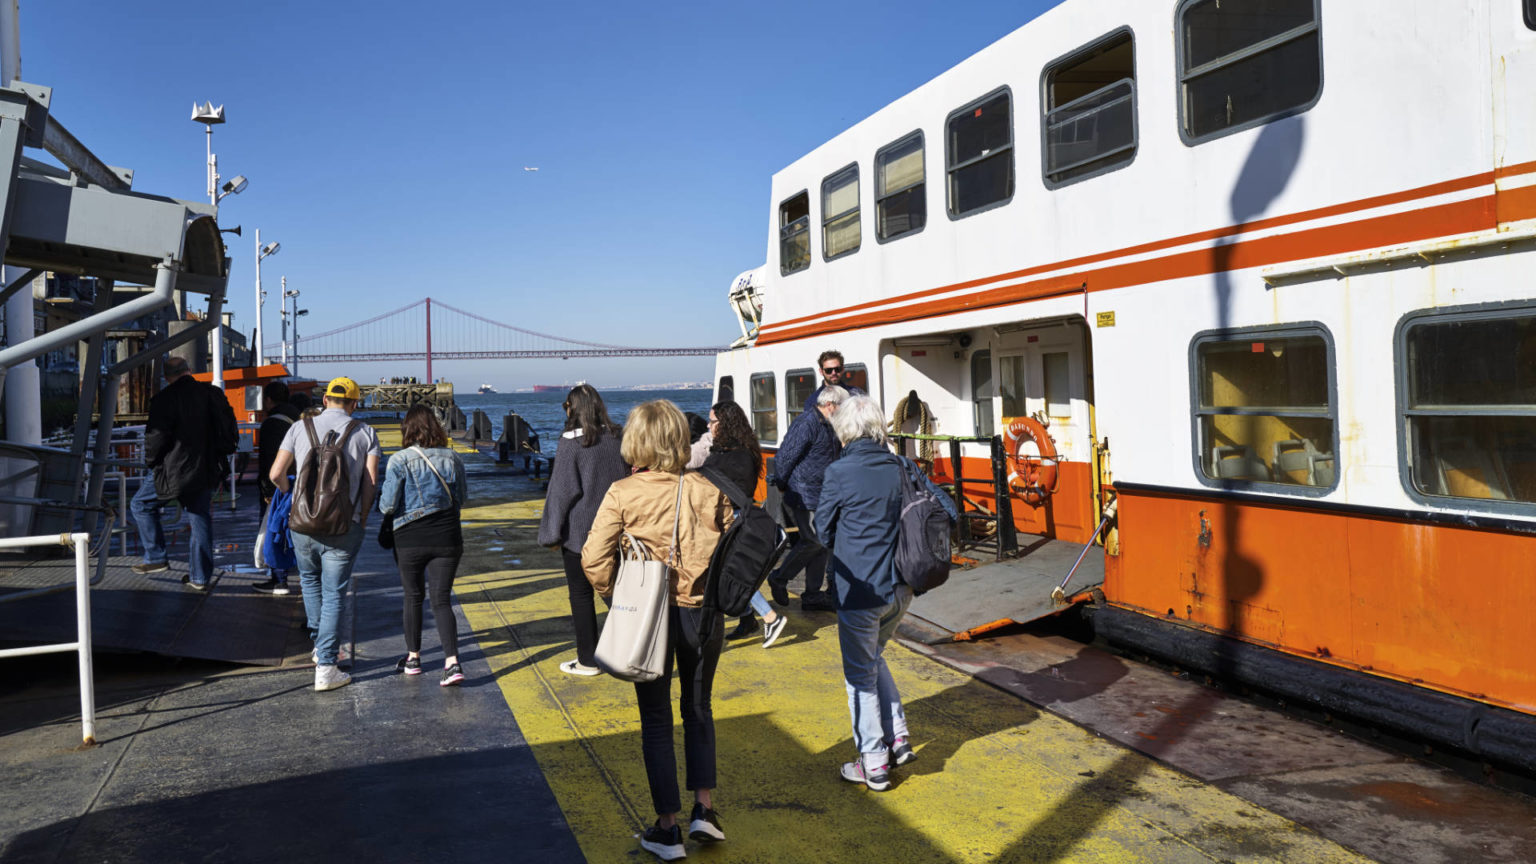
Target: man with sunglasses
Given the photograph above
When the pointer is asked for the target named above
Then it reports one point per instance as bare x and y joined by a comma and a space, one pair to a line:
832, 374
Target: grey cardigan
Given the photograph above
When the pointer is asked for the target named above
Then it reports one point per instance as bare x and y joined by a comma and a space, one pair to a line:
579, 480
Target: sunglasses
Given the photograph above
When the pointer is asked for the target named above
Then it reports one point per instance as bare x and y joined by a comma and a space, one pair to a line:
832, 370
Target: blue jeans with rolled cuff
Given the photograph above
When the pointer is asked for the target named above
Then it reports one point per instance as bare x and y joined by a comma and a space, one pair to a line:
325, 572
873, 701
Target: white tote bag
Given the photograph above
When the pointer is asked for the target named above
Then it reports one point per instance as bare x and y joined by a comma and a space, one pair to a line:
633, 645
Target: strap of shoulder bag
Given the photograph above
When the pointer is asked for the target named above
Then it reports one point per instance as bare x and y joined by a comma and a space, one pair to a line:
423, 454
314, 440
677, 515
731, 490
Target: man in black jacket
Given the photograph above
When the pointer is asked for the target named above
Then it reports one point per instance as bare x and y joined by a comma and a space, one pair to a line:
189, 437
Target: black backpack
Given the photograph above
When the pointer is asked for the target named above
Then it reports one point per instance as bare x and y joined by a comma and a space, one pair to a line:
746, 553
322, 491
922, 540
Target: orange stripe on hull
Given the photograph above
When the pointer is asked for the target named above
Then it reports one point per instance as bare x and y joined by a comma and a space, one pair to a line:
1438, 606
1478, 214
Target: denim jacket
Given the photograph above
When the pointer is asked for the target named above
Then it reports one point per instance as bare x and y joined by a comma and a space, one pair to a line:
412, 491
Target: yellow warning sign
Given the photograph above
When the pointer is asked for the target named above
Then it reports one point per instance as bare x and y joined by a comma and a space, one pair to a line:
1106, 319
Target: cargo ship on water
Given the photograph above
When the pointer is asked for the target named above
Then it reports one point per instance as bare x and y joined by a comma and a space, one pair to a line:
555, 388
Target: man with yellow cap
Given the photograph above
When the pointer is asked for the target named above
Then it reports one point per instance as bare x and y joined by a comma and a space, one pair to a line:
325, 562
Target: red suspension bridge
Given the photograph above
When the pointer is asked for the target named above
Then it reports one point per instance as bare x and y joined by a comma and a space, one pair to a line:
409, 333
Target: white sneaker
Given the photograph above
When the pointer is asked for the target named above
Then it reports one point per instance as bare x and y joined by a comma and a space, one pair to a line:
574, 667
328, 677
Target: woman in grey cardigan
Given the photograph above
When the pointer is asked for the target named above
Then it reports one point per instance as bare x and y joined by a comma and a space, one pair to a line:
587, 462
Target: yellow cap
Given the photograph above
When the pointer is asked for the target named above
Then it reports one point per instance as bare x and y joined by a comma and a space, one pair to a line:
343, 388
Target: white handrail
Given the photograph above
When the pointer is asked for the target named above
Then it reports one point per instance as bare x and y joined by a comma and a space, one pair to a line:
82, 644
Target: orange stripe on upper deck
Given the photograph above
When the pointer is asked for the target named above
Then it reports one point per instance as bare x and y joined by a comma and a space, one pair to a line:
1457, 217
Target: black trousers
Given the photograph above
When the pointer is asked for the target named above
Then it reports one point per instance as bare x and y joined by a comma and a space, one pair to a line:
807, 553
420, 565
695, 665
583, 607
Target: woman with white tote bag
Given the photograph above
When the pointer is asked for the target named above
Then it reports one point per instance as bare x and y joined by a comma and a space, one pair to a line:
678, 519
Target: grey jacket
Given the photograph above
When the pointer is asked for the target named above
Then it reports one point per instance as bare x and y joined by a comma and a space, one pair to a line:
577, 484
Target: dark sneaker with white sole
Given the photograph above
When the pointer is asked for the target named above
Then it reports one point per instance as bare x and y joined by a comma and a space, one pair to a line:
901, 751
664, 843
196, 586
409, 665
772, 629
451, 676
154, 567
704, 825
878, 779
271, 586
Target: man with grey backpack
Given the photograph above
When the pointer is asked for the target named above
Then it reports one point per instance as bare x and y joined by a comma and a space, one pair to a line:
338, 470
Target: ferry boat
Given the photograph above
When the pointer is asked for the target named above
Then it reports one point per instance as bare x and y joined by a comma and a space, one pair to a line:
1246, 284
486, 388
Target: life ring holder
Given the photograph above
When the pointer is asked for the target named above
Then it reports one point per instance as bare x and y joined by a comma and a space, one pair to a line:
1032, 478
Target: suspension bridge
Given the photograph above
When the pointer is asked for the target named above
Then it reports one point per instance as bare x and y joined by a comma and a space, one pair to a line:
409, 333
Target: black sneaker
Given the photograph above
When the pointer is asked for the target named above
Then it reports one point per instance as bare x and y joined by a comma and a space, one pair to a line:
186, 580
779, 590
155, 567
451, 676
747, 627
271, 586
704, 824
664, 843
409, 665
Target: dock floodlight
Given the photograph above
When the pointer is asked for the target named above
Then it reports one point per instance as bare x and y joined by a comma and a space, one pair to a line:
270, 248
235, 185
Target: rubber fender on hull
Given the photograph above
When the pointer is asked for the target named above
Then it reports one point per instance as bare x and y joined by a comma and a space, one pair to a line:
1492, 733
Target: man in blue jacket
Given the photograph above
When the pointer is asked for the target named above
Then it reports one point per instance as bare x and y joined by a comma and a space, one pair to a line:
808, 448
860, 521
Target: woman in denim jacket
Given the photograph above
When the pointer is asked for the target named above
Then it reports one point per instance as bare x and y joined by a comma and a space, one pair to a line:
423, 489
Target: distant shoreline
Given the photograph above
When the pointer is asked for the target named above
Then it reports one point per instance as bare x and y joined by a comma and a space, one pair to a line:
687, 385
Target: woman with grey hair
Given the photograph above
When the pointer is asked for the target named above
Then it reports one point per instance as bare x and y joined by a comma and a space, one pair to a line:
859, 520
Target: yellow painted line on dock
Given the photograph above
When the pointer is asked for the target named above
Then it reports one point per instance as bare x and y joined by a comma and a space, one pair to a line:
996, 779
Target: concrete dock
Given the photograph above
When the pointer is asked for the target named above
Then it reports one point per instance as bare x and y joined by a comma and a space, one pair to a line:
1031, 747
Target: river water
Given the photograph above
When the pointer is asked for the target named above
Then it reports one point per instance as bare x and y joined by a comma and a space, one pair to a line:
544, 414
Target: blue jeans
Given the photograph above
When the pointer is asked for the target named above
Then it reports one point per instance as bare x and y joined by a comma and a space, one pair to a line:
760, 606
875, 706
145, 508
325, 571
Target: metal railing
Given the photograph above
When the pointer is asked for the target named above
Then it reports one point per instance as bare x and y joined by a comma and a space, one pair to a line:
1005, 534
80, 542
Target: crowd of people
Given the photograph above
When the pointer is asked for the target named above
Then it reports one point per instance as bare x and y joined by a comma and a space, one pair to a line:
653, 480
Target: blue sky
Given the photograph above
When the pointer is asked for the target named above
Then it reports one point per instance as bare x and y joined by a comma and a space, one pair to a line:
385, 144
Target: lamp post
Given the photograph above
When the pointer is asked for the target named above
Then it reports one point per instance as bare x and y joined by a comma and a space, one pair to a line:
210, 116
261, 296
297, 314
287, 295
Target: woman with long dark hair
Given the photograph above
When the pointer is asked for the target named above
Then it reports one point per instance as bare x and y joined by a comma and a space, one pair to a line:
647, 505
735, 453
587, 462
424, 490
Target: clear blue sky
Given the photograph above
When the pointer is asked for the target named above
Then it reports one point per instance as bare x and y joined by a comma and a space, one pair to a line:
385, 142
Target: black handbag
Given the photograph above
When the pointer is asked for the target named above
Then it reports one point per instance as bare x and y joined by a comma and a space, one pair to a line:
387, 532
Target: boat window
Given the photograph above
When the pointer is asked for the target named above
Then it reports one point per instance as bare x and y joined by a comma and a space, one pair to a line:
900, 204
840, 227
1467, 393
1245, 62
1011, 386
980, 154
726, 392
856, 375
765, 408
1264, 408
981, 392
1058, 384
795, 234
1530, 14
799, 384
1090, 111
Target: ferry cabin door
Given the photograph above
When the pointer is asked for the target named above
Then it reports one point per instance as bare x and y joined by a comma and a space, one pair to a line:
1042, 372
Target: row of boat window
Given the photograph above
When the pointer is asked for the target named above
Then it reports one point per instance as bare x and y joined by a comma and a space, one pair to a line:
1241, 63
1266, 406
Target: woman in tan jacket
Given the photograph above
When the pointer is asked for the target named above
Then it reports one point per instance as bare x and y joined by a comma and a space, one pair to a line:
656, 444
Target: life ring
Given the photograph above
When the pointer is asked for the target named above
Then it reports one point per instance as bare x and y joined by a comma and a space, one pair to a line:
1031, 477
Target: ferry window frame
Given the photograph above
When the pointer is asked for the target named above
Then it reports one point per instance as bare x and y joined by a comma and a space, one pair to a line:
880, 197
1008, 154
851, 370
785, 232
1181, 76
1446, 315
725, 389
772, 408
792, 408
1530, 14
1079, 54
857, 210
1247, 334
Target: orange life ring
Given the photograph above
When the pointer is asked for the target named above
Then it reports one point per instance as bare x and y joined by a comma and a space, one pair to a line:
1031, 477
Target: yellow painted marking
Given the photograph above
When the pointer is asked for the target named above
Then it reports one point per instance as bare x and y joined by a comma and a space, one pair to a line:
996, 780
